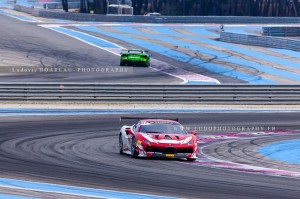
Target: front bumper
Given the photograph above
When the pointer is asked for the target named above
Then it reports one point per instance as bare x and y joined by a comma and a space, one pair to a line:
142, 153
162, 155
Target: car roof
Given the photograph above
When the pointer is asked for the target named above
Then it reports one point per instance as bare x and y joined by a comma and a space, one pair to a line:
136, 50
158, 121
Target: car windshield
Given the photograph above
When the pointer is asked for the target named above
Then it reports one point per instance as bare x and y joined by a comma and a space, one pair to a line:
163, 128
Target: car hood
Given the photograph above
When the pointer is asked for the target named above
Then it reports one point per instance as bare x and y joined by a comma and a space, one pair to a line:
167, 138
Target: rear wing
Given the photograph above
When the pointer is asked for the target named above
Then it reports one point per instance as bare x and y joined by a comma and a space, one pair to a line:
128, 50
124, 50
140, 118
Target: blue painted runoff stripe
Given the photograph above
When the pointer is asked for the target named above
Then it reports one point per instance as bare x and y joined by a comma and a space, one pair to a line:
286, 151
289, 53
78, 191
246, 51
6, 196
61, 21
5, 4
222, 56
182, 57
22, 18
23, 2
198, 83
85, 37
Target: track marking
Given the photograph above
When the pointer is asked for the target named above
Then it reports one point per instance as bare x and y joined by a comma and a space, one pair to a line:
72, 190
187, 76
208, 161
19, 17
7, 196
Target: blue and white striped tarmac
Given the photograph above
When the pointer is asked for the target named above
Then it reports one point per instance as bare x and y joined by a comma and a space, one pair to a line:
259, 62
178, 55
19, 17
7, 196
5, 4
70, 190
264, 66
188, 77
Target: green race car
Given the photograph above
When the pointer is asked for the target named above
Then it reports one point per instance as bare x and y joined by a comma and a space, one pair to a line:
135, 57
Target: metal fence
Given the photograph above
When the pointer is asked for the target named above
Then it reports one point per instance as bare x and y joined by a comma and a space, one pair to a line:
264, 41
205, 94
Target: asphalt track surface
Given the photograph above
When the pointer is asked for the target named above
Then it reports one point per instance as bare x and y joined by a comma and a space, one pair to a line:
26, 44
82, 151
245, 152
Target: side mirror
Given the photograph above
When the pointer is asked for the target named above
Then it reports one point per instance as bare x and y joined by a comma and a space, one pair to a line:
129, 131
194, 133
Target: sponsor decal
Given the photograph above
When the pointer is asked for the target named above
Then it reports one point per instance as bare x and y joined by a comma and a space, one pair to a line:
170, 155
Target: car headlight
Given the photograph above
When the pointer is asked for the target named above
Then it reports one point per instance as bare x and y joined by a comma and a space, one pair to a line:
191, 143
124, 58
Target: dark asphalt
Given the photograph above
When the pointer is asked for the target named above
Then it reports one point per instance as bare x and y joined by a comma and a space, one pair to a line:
82, 151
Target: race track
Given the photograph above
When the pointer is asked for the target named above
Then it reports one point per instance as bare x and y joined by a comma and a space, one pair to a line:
26, 44
82, 151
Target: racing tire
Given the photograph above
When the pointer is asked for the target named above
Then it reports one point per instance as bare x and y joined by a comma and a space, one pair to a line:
133, 146
121, 144
191, 159
122, 64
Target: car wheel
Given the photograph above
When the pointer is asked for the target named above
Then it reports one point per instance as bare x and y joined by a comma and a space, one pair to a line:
122, 64
191, 159
133, 148
120, 144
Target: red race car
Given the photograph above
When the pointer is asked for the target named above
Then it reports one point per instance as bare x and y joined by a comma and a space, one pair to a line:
163, 138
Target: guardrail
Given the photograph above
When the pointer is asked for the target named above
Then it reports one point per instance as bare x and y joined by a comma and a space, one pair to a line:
205, 94
167, 19
264, 41
284, 31
157, 19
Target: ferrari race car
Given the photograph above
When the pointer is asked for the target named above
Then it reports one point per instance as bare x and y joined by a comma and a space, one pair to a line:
162, 138
135, 57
